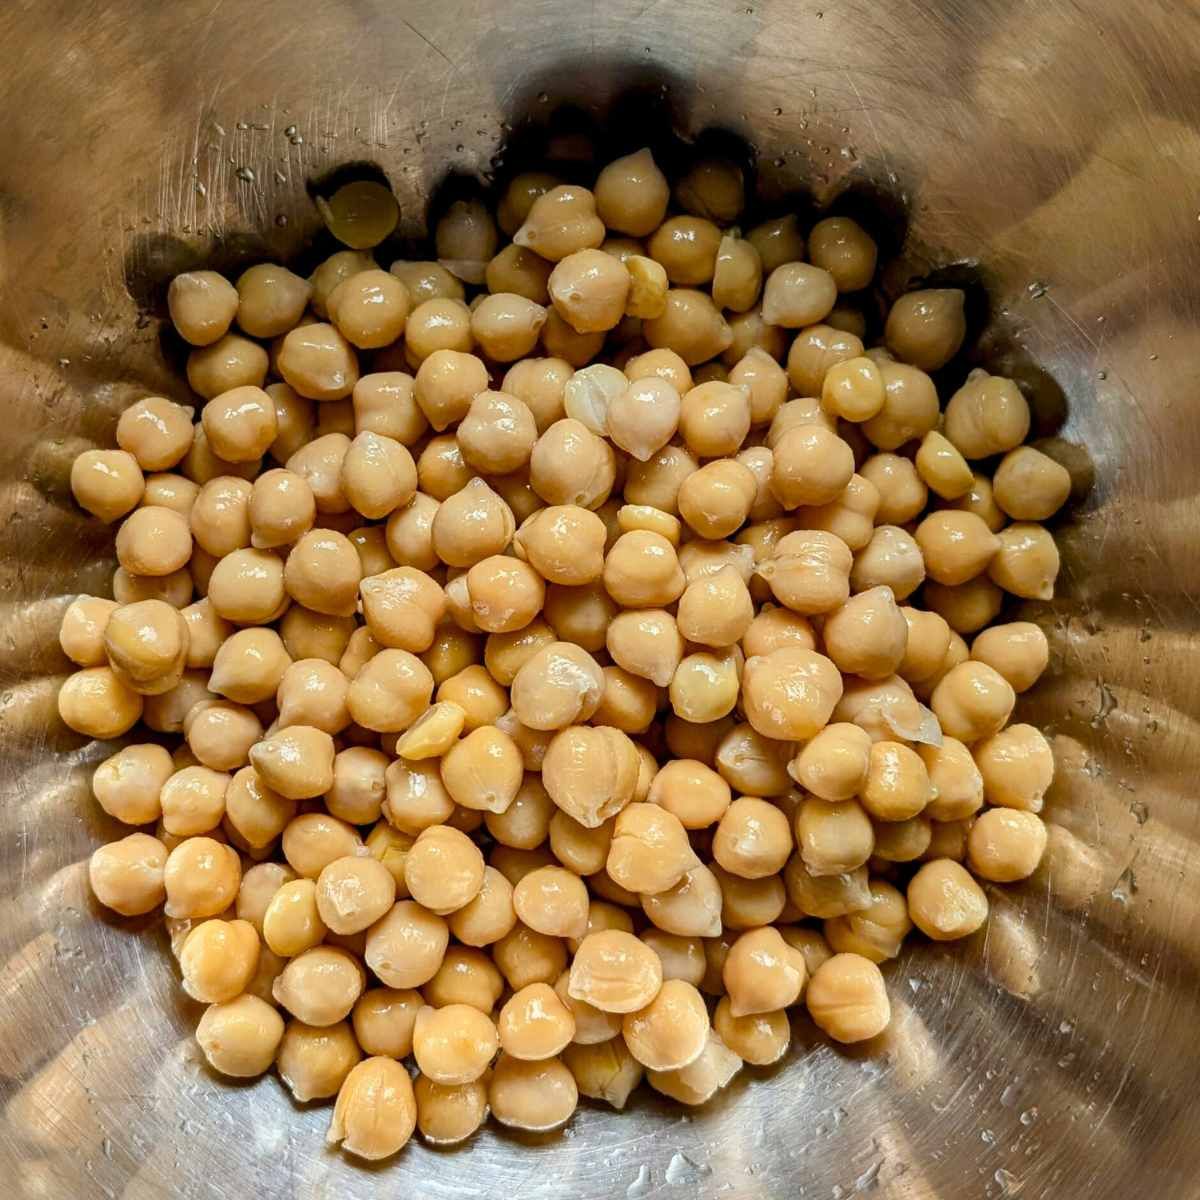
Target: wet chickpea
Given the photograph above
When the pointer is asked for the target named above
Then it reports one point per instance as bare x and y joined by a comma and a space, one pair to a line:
699, 1081
322, 572
466, 238
201, 464
247, 587
704, 687
201, 877
358, 788
589, 289
402, 607
714, 419
867, 635
466, 976
973, 701
193, 801
956, 546
1016, 766
533, 1096
716, 499
842, 247
314, 839
471, 525
615, 972
563, 342
987, 415
376, 1112
834, 765
313, 1062
249, 666
897, 785
833, 839
454, 1044
390, 691
202, 305
814, 351
851, 516
378, 475
926, 328
875, 932
488, 917
444, 870
926, 646
847, 999
797, 295
483, 771
320, 463
944, 902
853, 390
751, 762
681, 957
220, 517
632, 194
757, 1038
449, 1113
96, 703
507, 325
589, 393
778, 241
650, 852
902, 493
716, 610
642, 571
479, 696
570, 465
1005, 845
218, 960
737, 274
955, 780
671, 1031
1026, 561
128, 783
811, 466
632, 517
153, 541
169, 490
692, 792
175, 588
165, 712
441, 469
240, 1037
128, 876
416, 797
409, 533
514, 272
892, 558
604, 1070
797, 412
762, 973
433, 733
825, 896
318, 362
436, 325
240, 424
564, 544
296, 762
383, 1020
255, 811
354, 892
535, 1024
560, 685
910, 407
1018, 651
980, 500
385, 403
156, 431
525, 956
942, 467
445, 385
406, 947
281, 509
648, 287
687, 249
426, 281
966, 607
1029, 485
774, 627
790, 693
691, 325
561, 222
753, 839
644, 417
146, 643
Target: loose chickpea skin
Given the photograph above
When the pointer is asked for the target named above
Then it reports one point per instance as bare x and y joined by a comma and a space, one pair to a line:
847, 999
1018, 651
751, 762
944, 902
825, 896
875, 932
376, 1112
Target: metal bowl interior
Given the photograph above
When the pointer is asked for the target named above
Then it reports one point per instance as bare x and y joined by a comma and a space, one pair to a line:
1046, 152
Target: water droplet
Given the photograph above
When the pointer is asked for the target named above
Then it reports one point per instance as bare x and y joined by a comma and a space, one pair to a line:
241, 125
641, 1185
1029, 1115
869, 1178
987, 1137
544, 98
1066, 1027
281, 220
1036, 289
1101, 375
777, 111
682, 1170
1009, 1095
1008, 1181
246, 174
1106, 702
1125, 888
201, 190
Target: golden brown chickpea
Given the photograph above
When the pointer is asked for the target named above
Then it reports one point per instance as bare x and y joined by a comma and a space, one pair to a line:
296, 762
902, 841
692, 792
446, 383
615, 972
218, 960
714, 419
169, 490
957, 546
716, 499
646, 643
477, 694
1029, 485
813, 351
778, 241
416, 797
809, 571
410, 533
560, 685
944, 902
910, 407
834, 765
891, 558
589, 289
927, 643
902, 493
642, 570
955, 779
516, 271
220, 517
811, 466
942, 467
95, 702
825, 896
687, 249
507, 325
539, 382
220, 734
441, 468
322, 573
650, 851
691, 325
240, 424
127, 784
201, 877
833, 839
128, 875
165, 713
505, 654
318, 362
973, 701
402, 608
314, 1062
753, 839
484, 770
867, 635
384, 1019
390, 691
247, 587
525, 956
385, 403
843, 248
353, 893
406, 947
737, 274
570, 465
426, 281
256, 812
437, 325
444, 870
200, 464
466, 238
1016, 766
762, 973
897, 785
552, 901
926, 328
320, 463
564, 543
307, 634
281, 509
774, 627
1019, 651
202, 305
146, 645
987, 415
853, 390
847, 999
153, 541
497, 434
1005, 845
716, 610
471, 525
156, 431
376, 1111
590, 772
797, 295
751, 762
239, 1038
1026, 562
378, 475
561, 222
966, 607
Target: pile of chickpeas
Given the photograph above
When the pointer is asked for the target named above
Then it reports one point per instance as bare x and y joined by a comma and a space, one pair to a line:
558, 685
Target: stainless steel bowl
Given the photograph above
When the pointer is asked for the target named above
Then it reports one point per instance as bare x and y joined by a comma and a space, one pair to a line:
1051, 148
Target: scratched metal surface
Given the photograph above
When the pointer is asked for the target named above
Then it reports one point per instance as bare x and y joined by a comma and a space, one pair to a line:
1056, 145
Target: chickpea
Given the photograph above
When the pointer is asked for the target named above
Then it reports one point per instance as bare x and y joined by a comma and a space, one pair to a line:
193, 801
752, 763
790, 693
466, 237
758, 1038
540, 383
410, 533
416, 797
535, 1024
604, 1070
797, 295
249, 666
127, 784
563, 342
632, 194
534, 1096
671, 1031
774, 628
441, 469
314, 1062
525, 956
980, 500
385, 403
851, 516
973, 701
357, 792
128, 875
271, 299
483, 771
716, 499
615, 972
968, 606
559, 685
507, 325
716, 610
482, 699
564, 543
449, 1113
207, 632
446, 383
762, 973
240, 1037
169, 490
1005, 845
201, 464
955, 780
471, 525
314, 839
156, 431
444, 870
1018, 651
390, 691
867, 635
892, 558
843, 248
146, 645
318, 361
322, 572
570, 465
561, 222
376, 1112
321, 464
454, 1044
434, 325
1026, 562
281, 509
847, 999
490, 916
753, 839
811, 466
589, 289
699, 1081
240, 424
876, 932
220, 517
714, 419
926, 328
427, 281
383, 1020
957, 546
201, 877
96, 703
942, 467
650, 852
944, 902
515, 271
825, 896
902, 492
737, 274
247, 587
910, 407
402, 607
928, 641
165, 713
1016, 766
378, 475
692, 792
296, 762
433, 733
255, 811
691, 325
153, 541
834, 765
218, 960
1029, 485
202, 305
834, 839
354, 892
406, 947
987, 415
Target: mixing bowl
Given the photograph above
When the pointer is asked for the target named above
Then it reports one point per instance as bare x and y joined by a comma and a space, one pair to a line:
1046, 152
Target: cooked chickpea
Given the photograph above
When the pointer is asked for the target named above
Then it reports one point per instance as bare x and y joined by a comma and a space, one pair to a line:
753, 839
440, 324
757, 1038
902, 492
218, 960
406, 947
925, 650
296, 762
1029, 485
875, 932
507, 325
466, 238
910, 407
240, 424
615, 972
897, 785
128, 875
650, 852
378, 475
207, 632
973, 701
988, 415
843, 248
762, 973
867, 635
716, 610
169, 490
96, 703
156, 431
790, 693
409, 533
833, 838
847, 999
318, 361
671, 1031
797, 295
1026, 562
966, 607
533, 1096
1005, 845
471, 525
240, 1037
716, 499
426, 281
165, 713
127, 784
774, 627
589, 289
390, 691
247, 587
220, 517
692, 792
416, 797
1018, 651
834, 765
201, 876
714, 419
353, 892
314, 839
561, 222
699, 1081
256, 812
892, 558
193, 801
825, 896
944, 902
153, 541
535, 1023
956, 546
322, 572
314, 1062
691, 325
202, 305
385, 403
604, 1070
926, 328
490, 916
384, 1019
955, 780
146, 645
514, 272
454, 1044
853, 390
751, 762
1016, 766
281, 509
249, 666
376, 1112
942, 467
525, 956
811, 466
444, 870
402, 607
479, 696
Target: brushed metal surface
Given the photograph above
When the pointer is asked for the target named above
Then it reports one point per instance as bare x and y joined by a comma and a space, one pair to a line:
1052, 149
